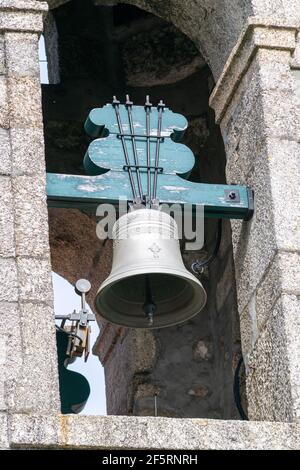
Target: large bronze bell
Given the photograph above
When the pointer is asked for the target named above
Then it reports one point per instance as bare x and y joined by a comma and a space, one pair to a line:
149, 286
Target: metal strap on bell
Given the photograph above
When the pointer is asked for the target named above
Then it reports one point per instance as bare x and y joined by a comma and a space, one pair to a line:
149, 286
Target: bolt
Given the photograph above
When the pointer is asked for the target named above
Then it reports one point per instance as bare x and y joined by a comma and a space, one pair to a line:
232, 195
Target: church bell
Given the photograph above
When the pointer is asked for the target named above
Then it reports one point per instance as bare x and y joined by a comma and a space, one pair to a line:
149, 286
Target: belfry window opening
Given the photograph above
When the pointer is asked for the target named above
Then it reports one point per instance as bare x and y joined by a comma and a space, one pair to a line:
44, 75
182, 371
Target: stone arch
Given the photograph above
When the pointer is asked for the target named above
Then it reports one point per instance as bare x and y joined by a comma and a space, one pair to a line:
214, 27
76, 252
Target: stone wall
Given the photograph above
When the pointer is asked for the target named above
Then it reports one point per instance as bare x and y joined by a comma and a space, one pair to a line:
259, 116
29, 382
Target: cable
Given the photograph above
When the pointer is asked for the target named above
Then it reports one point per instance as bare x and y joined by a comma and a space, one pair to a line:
148, 106
135, 153
68, 333
116, 105
198, 266
237, 390
160, 108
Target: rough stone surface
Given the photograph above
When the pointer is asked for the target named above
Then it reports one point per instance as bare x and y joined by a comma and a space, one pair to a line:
2, 55
120, 432
51, 45
26, 64
28, 156
4, 442
277, 282
23, 5
35, 389
28, 382
162, 56
25, 102
35, 280
3, 103
256, 102
31, 238
11, 349
5, 162
8, 280
33, 431
7, 246
18, 20
166, 433
258, 34
274, 363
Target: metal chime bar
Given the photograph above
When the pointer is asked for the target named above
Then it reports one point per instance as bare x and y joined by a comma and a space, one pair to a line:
116, 105
135, 154
136, 136
150, 197
135, 167
160, 107
148, 106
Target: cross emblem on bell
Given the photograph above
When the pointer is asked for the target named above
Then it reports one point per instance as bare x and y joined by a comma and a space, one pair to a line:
155, 250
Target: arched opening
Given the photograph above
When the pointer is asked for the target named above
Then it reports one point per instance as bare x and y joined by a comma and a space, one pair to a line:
107, 50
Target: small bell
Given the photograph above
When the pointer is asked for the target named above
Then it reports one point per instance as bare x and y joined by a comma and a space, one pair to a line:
149, 286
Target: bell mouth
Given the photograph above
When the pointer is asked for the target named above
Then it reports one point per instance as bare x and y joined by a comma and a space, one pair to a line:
178, 297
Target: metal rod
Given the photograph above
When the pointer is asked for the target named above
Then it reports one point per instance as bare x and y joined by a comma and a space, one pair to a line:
135, 154
149, 306
116, 105
141, 136
148, 106
63, 317
160, 108
155, 405
159, 169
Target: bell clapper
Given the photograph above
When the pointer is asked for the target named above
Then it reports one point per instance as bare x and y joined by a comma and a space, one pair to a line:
149, 306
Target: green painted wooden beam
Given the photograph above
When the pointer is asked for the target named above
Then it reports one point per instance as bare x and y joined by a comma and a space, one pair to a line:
108, 179
87, 192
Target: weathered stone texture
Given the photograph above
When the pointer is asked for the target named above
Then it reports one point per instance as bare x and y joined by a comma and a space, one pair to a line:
260, 123
35, 280
120, 432
51, 45
5, 161
26, 64
17, 21
4, 119
34, 431
28, 155
275, 282
7, 246
11, 349
8, 280
31, 238
28, 382
277, 8
25, 102
273, 380
35, 387
2, 55
4, 442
